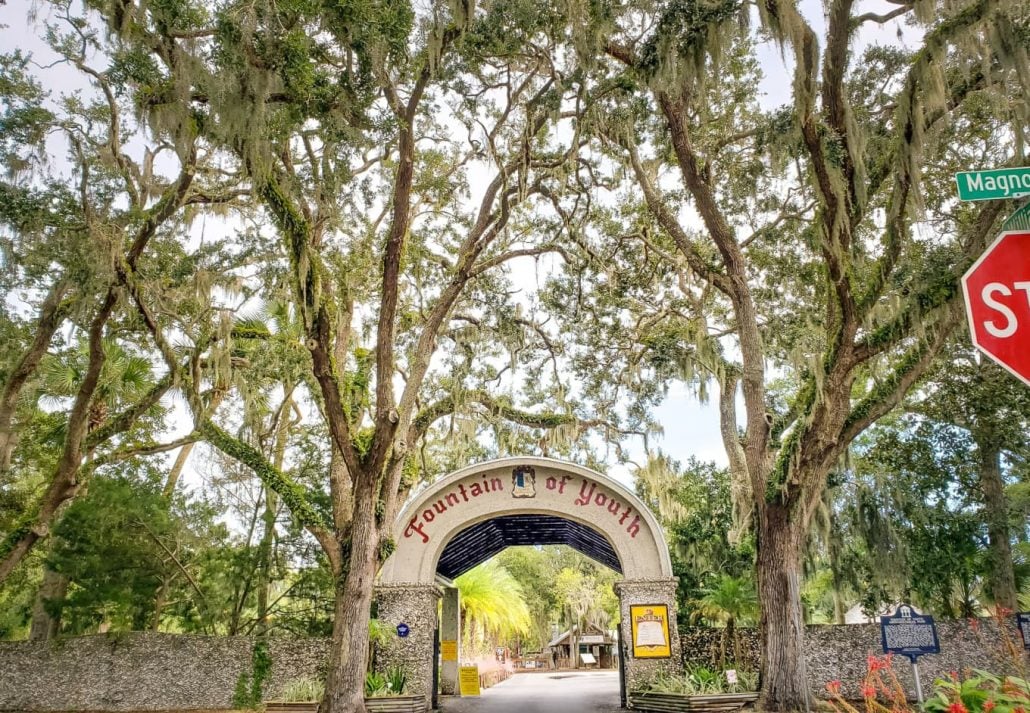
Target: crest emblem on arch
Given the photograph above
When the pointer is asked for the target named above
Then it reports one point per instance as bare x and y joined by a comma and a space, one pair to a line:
523, 482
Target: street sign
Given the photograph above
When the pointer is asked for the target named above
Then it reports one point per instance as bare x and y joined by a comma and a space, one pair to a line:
997, 292
403, 630
909, 634
993, 185
1023, 622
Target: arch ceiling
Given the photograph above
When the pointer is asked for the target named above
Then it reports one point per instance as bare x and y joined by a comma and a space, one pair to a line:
478, 543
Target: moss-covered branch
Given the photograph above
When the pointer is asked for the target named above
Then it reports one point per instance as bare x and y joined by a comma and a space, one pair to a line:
293, 494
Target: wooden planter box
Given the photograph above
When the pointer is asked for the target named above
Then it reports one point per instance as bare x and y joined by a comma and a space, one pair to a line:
675, 702
386, 704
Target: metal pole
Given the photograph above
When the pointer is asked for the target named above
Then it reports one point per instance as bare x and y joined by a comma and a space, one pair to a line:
919, 684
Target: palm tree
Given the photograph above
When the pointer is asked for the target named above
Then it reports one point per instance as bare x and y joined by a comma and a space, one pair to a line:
124, 378
730, 601
492, 604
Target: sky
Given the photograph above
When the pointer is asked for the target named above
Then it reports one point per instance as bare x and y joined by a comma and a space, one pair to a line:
690, 428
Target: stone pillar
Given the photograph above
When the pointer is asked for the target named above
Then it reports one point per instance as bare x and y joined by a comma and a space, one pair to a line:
414, 605
450, 631
647, 591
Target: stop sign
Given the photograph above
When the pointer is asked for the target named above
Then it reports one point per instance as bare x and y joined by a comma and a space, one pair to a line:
997, 290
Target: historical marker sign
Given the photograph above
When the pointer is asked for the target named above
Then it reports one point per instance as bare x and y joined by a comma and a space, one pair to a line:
1023, 622
997, 291
908, 634
993, 185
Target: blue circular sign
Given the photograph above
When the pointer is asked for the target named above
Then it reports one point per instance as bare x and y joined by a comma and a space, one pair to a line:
403, 630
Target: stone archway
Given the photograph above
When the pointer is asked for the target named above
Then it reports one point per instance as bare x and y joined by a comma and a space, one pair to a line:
474, 513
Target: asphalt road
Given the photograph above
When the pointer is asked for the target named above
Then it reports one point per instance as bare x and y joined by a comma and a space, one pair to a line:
555, 692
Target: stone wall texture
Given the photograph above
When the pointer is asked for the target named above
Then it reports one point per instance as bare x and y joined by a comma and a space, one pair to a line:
414, 605
143, 671
149, 671
838, 653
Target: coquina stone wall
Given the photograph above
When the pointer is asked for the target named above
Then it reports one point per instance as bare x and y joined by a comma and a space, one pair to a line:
143, 671
149, 672
839, 653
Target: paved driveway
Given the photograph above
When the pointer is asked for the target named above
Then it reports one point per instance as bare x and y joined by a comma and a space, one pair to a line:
554, 692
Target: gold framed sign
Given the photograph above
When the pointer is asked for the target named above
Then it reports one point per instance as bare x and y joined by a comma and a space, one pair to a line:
649, 624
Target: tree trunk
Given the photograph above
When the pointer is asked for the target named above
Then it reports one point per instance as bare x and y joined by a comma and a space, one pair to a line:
160, 599
1001, 582
44, 625
65, 484
176, 471
265, 554
730, 635
52, 313
345, 684
784, 684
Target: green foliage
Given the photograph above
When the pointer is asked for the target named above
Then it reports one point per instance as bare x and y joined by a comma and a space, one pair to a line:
981, 692
699, 680
562, 588
492, 605
249, 690
375, 684
695, 506
389, 683
301, 690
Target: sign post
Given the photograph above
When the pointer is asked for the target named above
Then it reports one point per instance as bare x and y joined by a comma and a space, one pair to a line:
911, 635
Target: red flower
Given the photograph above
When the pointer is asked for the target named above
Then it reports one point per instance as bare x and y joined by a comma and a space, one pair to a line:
833, 687
957, 707
989, 706
870, 692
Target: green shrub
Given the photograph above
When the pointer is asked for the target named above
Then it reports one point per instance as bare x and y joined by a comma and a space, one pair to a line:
980, 693
391, 683
702, 681
375, 684
300, 690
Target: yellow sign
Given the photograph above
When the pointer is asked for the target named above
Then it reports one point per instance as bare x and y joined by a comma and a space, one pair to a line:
468, 680
449, 650
650, 630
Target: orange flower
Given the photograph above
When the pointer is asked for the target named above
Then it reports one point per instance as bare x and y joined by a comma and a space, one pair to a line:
957, 707
989, 706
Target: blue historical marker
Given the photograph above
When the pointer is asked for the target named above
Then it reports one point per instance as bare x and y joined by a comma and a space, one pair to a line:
1023, 622
909, 634
403, 630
